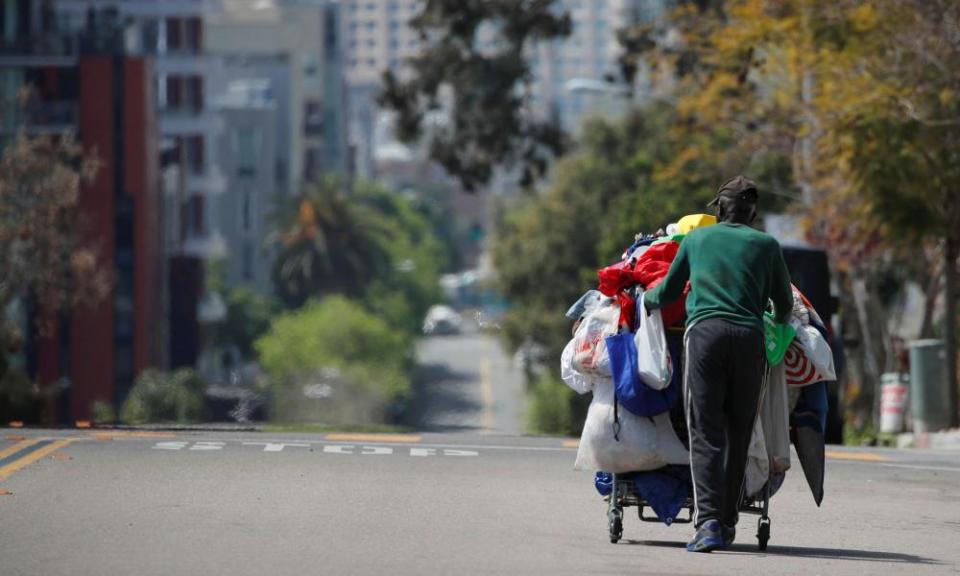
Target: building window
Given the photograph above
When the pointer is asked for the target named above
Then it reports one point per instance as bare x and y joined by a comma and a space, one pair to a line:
247, 261
194, 34
247, 148
193, 93
150, 36
174, 92
196, 219
193, 148
245, 216
174, 34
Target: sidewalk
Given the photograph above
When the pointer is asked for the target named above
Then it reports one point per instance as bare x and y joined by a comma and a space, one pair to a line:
945, 440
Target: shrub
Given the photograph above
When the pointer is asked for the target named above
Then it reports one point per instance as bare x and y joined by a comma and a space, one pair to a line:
102, 412
551, 408
20, 398
336, 343
165, 397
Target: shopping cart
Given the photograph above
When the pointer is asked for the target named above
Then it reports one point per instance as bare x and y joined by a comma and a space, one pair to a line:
625, 495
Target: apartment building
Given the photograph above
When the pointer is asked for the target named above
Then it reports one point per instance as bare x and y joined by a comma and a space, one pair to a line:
85, 82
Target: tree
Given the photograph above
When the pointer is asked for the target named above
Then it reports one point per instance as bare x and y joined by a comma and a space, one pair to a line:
328, 244
44, 255
619, 181
488, 122
862, 97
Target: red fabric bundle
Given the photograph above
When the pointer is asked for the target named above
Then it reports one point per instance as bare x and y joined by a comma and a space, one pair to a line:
649, 270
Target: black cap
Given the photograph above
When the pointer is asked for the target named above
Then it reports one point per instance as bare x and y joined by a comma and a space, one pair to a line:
737, 188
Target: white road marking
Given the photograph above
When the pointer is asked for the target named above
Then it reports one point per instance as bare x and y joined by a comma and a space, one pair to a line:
370, 448
208, 446
275, 446
170, 445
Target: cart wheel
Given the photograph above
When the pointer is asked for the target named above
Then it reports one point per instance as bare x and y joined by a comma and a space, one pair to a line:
763, 533
616, 529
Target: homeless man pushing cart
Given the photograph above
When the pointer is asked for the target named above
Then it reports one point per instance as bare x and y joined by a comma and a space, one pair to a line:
733, 271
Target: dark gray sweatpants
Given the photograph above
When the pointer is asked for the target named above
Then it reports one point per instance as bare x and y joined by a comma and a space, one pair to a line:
725, 365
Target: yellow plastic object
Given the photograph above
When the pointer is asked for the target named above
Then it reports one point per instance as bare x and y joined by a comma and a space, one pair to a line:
692, 221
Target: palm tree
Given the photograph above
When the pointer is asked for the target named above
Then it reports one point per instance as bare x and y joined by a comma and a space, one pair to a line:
328, 242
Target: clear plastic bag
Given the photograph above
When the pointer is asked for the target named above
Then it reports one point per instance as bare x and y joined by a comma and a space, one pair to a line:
579, 382
589, 348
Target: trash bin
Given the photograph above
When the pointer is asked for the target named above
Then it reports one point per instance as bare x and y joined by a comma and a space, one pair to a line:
929, 397
894, 392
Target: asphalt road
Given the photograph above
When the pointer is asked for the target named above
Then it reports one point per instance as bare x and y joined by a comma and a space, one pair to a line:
228, 503
466, 383
466, 496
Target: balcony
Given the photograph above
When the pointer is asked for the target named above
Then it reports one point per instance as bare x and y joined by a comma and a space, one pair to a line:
313, 124
210, 181
209, 246
43, 117
51, 49
188, 120
186, 64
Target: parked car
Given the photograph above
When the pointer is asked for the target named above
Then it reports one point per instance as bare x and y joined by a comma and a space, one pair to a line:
442, 319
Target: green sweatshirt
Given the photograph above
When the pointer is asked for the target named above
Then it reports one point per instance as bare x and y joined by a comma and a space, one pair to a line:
733, 271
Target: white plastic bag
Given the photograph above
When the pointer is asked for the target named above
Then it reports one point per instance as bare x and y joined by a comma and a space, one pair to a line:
758, 463
589, 348
580, 383
643, 444
775, 420
816, 349
653, 357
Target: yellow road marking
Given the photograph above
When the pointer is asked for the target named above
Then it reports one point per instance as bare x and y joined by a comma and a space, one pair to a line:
16, 448
104, 436
571, 443
399, 438
33, 457
149, 434
858, 456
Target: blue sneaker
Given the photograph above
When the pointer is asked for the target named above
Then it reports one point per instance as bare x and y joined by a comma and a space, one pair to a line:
729, 534
709, 537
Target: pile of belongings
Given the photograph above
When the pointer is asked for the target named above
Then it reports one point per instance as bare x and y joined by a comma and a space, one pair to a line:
623, 356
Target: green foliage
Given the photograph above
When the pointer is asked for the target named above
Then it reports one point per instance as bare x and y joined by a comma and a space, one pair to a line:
20, 398
337, 334
372, 245
248, 317
487, 124
551, 409
618, 183
165, 397
102, 413
404, 293
328, 244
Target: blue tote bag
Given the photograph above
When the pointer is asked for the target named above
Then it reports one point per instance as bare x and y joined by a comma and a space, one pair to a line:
631, 392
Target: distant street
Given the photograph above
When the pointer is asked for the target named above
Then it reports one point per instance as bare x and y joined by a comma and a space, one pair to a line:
467, 383
466, 495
